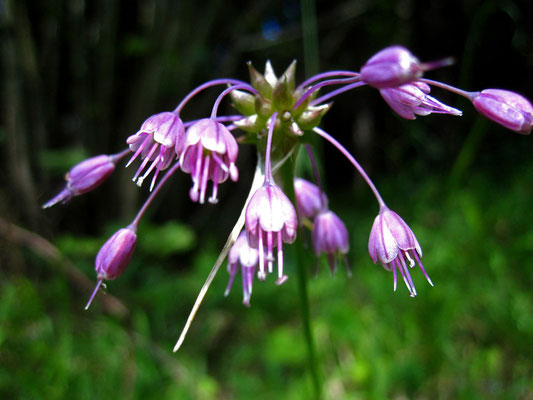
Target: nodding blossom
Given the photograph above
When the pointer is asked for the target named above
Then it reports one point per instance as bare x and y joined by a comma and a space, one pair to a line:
310, 200
270, 221
330, 237
413, 99
394, 66
243, 257
114, 256
209, 153
84, 177
506, 108
158, 142
394, 245
277, 117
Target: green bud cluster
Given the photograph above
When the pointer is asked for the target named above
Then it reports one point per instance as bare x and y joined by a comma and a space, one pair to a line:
277, 95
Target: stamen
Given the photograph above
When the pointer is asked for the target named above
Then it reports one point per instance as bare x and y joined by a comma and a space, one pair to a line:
213, 199
270, 256
94, 293
219, 162
205, 176
139, 150
261, 275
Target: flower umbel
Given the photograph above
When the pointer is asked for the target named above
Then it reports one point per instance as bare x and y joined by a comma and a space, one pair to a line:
393, 244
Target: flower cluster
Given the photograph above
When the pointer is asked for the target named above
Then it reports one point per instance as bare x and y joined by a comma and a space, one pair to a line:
278, 117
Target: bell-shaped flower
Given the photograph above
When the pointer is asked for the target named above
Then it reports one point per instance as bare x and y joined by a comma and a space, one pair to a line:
158, 142
242, 256
84, 177
394, 244
114, 256
506, 108
413, 98
310, 200
270, 221
330, 237
394, 66
210, 152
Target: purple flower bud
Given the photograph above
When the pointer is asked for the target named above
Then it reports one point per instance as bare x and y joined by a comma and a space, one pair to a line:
413, 98
84, 177
506, 108
391, 243
159, 141
210, 152
330, 237
394, 66
114, 256
270, 221
310, 200
241, 254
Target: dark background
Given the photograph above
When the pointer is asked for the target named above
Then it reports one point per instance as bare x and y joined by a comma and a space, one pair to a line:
79, 77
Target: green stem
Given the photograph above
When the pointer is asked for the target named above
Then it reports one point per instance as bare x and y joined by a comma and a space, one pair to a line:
314, 368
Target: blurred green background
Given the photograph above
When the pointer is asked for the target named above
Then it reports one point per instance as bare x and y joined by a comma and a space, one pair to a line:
79, 76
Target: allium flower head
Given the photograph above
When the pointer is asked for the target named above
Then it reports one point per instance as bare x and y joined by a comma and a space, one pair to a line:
413, 98
394, 244
84, 177
243, 256
310, 200
270, 221
159, 141
209, 152
509, 109
330, 237
114, 256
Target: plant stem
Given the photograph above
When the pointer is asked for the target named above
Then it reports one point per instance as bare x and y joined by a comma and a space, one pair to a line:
314, 368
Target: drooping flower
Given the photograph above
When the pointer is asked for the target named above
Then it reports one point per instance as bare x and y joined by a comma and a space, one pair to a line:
114, 256
310, 200
210, 152
330, 237
394, 244
506, 108
159, 141
270, 221
243, 256
394, 66
413, 98
84, 177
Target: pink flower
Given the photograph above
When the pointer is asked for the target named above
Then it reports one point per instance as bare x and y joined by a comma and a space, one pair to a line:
159, 141
330, 237
84, 177
210, 152
413, 98
309, 198
270, 221
506, 108
243, 256
393, 244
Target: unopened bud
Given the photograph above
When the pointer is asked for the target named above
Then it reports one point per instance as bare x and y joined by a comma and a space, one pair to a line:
506, 108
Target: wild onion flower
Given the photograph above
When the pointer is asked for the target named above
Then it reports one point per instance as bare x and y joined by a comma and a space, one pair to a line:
330, 237
85, 176
506, 108
114, 256
209, 152
159, 141
243, 256
394, 244
395, 66
310, 200
413, 99
277, 117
